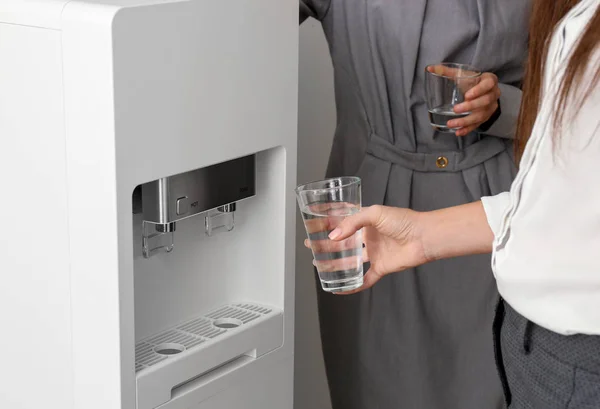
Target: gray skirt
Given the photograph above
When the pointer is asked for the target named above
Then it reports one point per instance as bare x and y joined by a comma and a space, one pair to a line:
541, 369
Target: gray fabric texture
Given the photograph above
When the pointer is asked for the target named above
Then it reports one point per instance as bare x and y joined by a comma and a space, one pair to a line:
546, 370
419, 339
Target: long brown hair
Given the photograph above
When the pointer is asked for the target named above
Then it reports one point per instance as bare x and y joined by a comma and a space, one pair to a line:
545, 16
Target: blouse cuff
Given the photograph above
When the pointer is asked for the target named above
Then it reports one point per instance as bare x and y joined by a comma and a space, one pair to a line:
494, 207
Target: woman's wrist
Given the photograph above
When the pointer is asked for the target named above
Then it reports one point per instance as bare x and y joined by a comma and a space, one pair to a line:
455, 231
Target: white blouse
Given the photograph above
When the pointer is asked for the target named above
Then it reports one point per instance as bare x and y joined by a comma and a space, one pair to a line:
546, 256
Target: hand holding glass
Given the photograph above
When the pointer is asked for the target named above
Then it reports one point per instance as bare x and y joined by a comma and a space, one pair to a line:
445, 87
324, 205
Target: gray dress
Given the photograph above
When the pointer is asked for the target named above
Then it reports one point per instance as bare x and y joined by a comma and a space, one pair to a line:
421, 339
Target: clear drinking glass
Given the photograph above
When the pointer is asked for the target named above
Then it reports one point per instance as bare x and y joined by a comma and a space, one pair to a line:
324, 205
445, 86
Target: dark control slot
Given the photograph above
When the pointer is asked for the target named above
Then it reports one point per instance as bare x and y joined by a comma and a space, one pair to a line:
176, 197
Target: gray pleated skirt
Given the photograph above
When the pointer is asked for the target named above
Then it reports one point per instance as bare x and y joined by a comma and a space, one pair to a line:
541, 369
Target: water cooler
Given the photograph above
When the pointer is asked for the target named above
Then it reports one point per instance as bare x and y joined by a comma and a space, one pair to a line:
149, 160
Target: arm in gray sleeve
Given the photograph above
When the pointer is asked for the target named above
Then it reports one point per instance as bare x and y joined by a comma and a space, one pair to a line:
313, 8
510, 103
508, 63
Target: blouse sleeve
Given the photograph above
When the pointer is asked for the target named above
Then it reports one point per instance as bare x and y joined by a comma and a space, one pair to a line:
494, 207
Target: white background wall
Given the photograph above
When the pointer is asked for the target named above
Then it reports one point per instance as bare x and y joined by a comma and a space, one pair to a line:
316, 124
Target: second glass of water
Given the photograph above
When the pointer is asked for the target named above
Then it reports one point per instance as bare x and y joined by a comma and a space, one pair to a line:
445, 87
324, 205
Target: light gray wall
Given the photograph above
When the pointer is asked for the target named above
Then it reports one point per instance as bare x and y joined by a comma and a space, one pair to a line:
316, 124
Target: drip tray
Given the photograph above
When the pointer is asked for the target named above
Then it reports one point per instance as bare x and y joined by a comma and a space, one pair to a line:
195, 347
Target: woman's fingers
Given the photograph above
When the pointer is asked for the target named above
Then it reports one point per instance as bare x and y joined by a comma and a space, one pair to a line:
329, 246
451, 72
368, 216
339, 264
339, 260
325, 217
324, 224
482, 102
466, 131
476, 118
488, 82
485, 101
443, 70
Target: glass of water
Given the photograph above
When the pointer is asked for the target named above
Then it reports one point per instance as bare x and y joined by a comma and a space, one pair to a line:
324, 205
445, 86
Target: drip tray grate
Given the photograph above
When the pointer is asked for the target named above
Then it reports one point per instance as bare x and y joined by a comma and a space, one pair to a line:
194, 332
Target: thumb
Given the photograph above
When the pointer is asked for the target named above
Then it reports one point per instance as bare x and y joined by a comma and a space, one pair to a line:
368, 216
370, 279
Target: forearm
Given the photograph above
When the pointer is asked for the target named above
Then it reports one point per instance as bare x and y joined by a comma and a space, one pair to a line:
456, 231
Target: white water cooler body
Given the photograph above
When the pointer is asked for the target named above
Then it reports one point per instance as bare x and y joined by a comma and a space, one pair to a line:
149, 149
